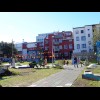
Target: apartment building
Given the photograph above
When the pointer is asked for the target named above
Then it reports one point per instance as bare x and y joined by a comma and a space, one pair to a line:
83, 39
60, 45
29, 50
40, 37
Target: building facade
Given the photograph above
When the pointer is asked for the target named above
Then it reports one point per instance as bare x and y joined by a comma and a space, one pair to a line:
59, 45
83, 39
40, 37
30, 50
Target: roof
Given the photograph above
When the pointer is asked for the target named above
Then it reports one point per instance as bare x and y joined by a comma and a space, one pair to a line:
85, 25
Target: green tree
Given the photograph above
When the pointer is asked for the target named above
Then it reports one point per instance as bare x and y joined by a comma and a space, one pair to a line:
7, 49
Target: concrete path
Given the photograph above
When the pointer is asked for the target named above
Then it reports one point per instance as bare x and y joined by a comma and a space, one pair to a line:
65, 78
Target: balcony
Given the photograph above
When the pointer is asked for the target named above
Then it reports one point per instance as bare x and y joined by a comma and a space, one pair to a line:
56, 43
67, 38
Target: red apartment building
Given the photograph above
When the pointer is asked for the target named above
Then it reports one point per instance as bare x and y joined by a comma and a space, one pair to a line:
60, 45
31, 50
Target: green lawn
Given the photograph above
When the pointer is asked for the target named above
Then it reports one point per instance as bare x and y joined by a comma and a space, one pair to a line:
26, 76
25, 63
87, 83
93, 61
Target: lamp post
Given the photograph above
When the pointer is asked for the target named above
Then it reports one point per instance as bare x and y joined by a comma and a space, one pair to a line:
13, 60
52, 51
12, 48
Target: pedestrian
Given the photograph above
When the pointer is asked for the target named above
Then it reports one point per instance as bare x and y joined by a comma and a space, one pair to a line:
81, 63
67, 62
75, 62
64, 61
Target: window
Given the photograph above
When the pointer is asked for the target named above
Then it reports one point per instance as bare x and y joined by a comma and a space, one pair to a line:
90, 50
83, 45
77, 38
46, 48
89, 42
82, 31
60, 40
77, 32
60, 47
83, 38
88, 35
56, 48
56, 40
65, 46
78, 46
70, 46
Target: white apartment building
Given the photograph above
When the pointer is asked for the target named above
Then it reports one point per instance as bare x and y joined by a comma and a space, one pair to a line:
83, 39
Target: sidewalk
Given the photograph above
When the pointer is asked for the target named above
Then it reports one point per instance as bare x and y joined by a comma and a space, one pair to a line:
65, 78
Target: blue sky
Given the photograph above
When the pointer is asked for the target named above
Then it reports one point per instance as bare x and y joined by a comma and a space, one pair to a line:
27, 25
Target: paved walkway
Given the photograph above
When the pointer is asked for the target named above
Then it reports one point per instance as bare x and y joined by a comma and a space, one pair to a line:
65, 78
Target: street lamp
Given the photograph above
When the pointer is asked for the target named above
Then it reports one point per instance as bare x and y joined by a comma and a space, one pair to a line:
13, 60
12, 48
52, 51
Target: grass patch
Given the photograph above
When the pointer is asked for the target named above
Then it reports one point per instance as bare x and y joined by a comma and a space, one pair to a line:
25, 63
93, 61
26, 76
87, 83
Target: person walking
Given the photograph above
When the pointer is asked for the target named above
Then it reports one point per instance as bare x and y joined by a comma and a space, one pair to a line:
64, 61
75, 62
81, 63
67, 62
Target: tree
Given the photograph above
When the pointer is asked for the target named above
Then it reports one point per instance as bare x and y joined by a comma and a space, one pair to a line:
6, 48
